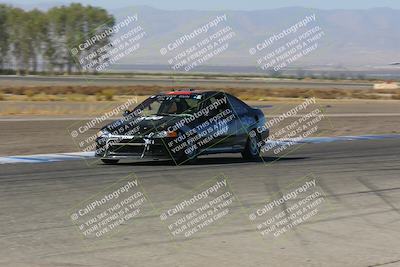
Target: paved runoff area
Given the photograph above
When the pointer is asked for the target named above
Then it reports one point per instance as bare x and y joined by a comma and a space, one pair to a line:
322, 204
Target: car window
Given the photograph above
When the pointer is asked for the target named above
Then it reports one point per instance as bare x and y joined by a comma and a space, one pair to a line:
169, 105
214, 98
151, 108
192, 103
238, 106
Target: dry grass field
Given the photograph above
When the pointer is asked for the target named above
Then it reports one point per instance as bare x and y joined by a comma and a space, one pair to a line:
107, 93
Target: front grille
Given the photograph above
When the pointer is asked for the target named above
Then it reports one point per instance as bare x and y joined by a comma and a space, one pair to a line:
124, 148
127, 141
135, 147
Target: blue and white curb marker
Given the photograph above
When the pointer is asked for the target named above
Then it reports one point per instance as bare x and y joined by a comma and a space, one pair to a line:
44, 158
318, 140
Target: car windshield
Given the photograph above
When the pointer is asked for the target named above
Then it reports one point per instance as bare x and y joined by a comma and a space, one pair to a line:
170, 105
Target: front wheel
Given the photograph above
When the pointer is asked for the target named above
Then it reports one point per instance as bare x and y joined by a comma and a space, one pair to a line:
251, 151
110, 161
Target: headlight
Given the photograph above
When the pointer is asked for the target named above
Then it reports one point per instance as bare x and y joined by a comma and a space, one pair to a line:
164, 134
102, 133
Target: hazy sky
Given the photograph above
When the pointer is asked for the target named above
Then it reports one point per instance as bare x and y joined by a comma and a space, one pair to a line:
220, 4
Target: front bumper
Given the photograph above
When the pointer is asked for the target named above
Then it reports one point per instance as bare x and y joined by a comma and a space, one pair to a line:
131, 147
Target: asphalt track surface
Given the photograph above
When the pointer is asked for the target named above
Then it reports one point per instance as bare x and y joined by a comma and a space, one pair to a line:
357, 225
111, 81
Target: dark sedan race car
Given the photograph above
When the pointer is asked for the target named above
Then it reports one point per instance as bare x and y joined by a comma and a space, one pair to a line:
181, 125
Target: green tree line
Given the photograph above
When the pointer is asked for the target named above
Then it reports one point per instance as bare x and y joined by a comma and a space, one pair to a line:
41, 41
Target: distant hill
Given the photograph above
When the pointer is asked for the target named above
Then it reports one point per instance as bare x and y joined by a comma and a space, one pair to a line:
352, 37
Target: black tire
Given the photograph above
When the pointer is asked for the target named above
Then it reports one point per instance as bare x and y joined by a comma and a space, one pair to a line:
252, 151
110, 161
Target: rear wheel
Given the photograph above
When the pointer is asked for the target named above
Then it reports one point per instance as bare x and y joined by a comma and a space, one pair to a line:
110, 161
251, 151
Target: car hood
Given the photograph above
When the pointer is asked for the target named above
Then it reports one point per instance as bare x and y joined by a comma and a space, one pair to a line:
142, 125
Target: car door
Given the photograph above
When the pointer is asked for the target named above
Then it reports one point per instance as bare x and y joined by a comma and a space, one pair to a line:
222, 122
244, 121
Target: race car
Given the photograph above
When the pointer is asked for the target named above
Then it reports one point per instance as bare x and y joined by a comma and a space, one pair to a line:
182, 125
